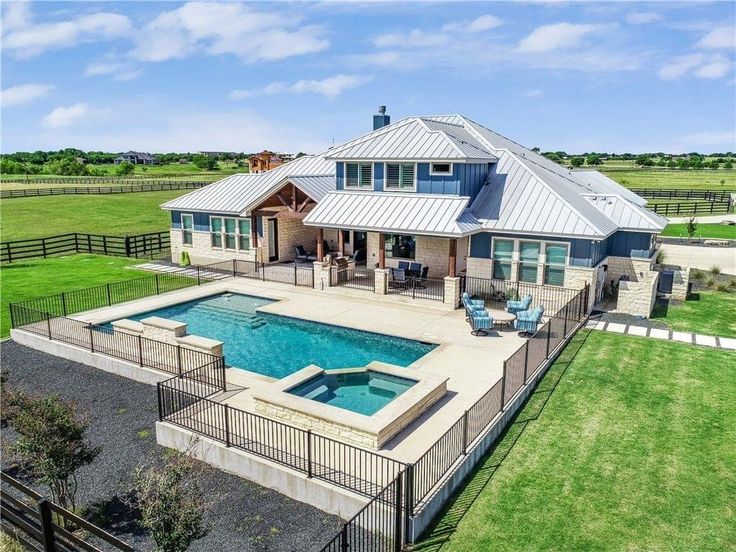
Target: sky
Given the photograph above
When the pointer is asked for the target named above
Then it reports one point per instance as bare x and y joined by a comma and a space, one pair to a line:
291, 76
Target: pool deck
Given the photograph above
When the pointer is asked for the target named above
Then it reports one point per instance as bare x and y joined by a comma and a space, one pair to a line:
471, 364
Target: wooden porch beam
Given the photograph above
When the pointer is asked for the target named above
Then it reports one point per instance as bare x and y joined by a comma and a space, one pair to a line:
452, 258
381, 251
285, 202
253, 231
340, 242
293, 198
320, 246
303, 204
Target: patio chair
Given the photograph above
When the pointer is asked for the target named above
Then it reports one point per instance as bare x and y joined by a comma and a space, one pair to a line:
527, 321
476, 303
302, 255
397, 279
480, 321
513, 307
403, 265
359, 257
415, 267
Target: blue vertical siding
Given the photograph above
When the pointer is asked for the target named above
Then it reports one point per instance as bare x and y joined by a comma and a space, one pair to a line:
472, 178
378, 176
201, 220
340, 176
175, 219
631, 244
437, 184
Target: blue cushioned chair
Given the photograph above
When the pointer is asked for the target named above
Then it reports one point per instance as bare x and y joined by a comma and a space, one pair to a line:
476, 303
527, 321
513, 307
403, 265
415, 267
480, 321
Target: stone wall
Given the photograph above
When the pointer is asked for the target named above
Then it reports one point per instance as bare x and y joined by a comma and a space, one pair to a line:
201, 250
637, 297
291, 232
577, 277
430, 251
479, 268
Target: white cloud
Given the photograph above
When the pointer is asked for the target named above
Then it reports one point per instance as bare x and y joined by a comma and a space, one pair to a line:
555, 37
642, 18
699, 65
16, 15
330, 87
535, 93
25, 39
417, 38
120, 70
62, 116
227, 28
480, 24
23, 94
722, 37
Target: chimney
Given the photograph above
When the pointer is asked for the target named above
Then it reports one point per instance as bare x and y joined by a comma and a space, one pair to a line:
381, 120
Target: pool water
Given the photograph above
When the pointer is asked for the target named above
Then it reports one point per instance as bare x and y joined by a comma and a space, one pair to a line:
362, 392
276, 345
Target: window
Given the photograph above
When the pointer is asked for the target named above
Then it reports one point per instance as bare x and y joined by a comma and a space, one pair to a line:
399, 247
529, 259
187, 225
503, 251
230, 233
399, 176
359, 175
440, 168
554, 268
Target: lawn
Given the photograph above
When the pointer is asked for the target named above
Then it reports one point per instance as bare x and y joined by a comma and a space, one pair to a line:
719, 231
673, 178
36, 278
620, 452
117, 214
705, 312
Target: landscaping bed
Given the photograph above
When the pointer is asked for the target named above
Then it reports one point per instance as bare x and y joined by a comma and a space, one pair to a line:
243, 516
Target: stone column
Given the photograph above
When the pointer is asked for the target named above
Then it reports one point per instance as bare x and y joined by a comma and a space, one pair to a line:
322, 277
381, 275
452, 291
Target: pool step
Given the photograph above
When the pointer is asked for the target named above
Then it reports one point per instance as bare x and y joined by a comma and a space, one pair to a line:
251, 320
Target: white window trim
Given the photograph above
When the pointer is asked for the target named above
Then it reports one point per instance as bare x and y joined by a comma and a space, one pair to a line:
237, 234
388, 256
433, 173
181, 222
567, 255
385, 177
359, 187
541, 261
546, 264
522, 262
494, 239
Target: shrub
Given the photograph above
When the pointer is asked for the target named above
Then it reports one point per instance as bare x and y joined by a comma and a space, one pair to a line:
171, 502
715, 270
732, 283
184, 260
661, 256
51, 444
697, 274
691, 227
723, 286
710, 282
124, 169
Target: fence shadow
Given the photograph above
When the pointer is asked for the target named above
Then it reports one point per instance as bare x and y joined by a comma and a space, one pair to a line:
443, 528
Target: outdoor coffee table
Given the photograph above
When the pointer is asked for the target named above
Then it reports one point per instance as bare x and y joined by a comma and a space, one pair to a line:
503, 318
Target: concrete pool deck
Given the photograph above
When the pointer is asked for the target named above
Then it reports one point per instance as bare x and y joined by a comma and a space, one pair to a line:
471, 364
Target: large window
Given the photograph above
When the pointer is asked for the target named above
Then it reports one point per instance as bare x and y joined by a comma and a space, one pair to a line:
554, 268
359, 175
400, 247
400, 176
230, 232
528, 261
503, 251
187, 225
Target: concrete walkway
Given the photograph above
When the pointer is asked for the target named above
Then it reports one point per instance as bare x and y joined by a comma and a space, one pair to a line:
665, 334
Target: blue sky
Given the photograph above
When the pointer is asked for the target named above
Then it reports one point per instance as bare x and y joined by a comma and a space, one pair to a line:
169, 76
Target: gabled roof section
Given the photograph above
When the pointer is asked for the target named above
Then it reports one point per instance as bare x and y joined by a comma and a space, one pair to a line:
627, 215
414, 138
599, 183
425, 214
239, 193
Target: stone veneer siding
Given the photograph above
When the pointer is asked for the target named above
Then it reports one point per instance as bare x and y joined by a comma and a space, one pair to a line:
430, 251
201, 250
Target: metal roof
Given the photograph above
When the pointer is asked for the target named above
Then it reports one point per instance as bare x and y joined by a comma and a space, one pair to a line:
424, 214
598, 183
315, 187
411, 139
239, 193
627, 215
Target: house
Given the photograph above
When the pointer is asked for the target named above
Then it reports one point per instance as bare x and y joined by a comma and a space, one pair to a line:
264, 161
218, 154
443, 191
135, 158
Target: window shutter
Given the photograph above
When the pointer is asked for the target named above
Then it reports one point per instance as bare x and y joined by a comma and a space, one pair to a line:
351, 174
366, 175
392, 175
407, 175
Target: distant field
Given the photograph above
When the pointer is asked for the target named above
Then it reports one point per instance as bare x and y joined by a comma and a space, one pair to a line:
718, 231
118, 214
674, 179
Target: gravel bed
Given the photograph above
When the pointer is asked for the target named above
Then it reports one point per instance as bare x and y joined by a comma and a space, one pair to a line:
243, 517
628, 319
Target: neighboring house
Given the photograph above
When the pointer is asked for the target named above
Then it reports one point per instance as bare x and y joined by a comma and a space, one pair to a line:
228, 154
135, 158
444, 191
264, 161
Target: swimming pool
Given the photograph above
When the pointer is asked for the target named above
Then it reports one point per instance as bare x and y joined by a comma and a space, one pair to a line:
276, 345
362, 392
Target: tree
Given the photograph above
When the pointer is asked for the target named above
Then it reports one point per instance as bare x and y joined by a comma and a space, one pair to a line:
696, 162
691, 227
124, 169
51, 443
68, 166
205, 162
594, 159
577, 161
644, 160
552, 156
171, 503
728, 165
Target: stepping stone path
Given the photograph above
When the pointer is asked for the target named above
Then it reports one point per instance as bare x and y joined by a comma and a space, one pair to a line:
667, 335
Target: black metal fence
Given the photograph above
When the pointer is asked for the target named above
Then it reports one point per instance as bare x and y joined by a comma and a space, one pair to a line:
102, 190
691, 208
39, 524
496, 292
418, 288
708, 195
150, 245
356, 278
294, 273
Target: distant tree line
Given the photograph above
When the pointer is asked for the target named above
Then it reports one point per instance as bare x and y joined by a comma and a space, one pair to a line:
683, 161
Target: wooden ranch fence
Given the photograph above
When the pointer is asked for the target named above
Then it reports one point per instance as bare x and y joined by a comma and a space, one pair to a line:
101, 190
139, 246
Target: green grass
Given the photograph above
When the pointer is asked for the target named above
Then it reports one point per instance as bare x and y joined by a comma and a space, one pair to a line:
25, 280
705, 312
719, 231
673, 178
615, 452
117, 214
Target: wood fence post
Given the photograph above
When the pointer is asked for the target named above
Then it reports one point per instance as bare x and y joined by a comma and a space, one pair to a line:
104, 244
47, 525
43, 246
